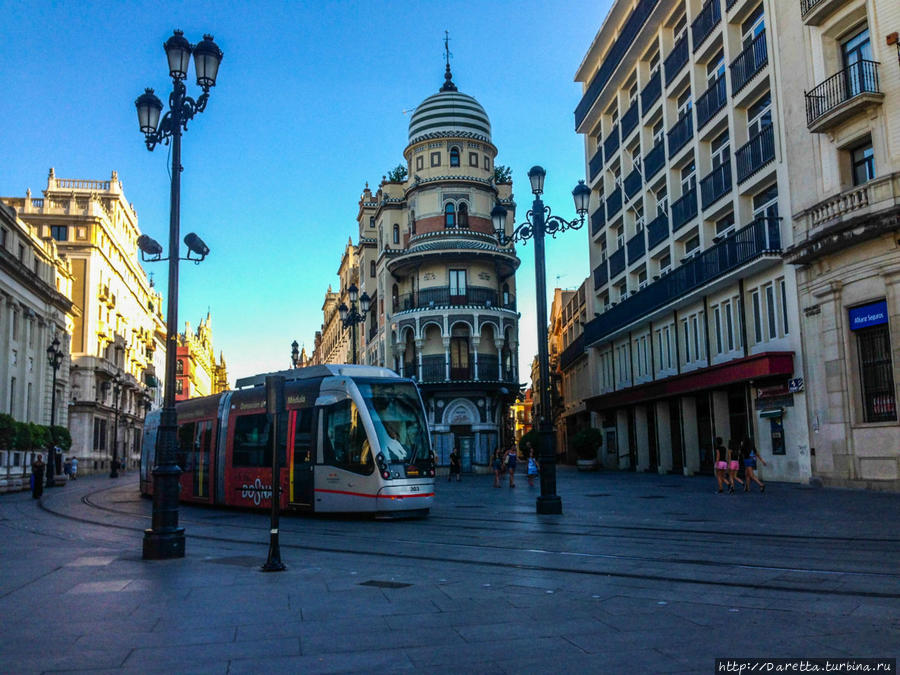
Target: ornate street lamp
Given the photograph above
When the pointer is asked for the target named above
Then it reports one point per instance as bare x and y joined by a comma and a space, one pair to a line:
117, 384
55, 357
165, 539
295, 353
352, 317
537, 223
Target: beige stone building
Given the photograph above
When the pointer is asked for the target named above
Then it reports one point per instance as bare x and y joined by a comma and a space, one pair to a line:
555, 347
197, 372
843, 111
117, 327
333, 343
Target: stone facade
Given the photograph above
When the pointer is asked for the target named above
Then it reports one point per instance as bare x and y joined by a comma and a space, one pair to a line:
197, 373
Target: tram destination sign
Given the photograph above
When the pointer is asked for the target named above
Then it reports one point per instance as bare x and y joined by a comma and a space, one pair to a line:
873, 314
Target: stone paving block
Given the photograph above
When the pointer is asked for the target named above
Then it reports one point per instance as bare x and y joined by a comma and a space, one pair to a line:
140, 640
479, 652
174, 655
387, 661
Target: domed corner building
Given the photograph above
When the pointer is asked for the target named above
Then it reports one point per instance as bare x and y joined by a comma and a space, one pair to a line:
443, 289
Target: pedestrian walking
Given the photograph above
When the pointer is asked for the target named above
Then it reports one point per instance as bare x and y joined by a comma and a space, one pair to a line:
455, 466
734, 465
533, 466
74, 468
37, 477
67, 468
497, 464
511, 459
748, 452
721, 465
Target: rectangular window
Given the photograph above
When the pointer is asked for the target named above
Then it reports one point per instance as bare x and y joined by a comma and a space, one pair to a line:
457, 283
770, 311
668, 349
687, 342
420, 163
473, 159
863, 164
718, 316
435, 159
251, 445
784, 307
876, 374
729, 324
59, 232
99, 434
696, 327
757, 318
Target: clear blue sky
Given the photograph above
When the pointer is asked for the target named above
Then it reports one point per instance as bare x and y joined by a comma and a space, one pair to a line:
308, 107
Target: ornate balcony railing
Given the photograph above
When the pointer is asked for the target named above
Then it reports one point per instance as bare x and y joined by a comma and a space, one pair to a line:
434, 369
680, 133
596, 163
613, 203
715, 185
749, 62
677, 59
842, 87
651, 92
684, 209
630, 119
601, 275
657, 230
806, 5
760, 238
636, 247
442, 297
712, 101
654, 160
611, 144
617, 263
632, 183
626, 38
708, 18
598, 220
755, 154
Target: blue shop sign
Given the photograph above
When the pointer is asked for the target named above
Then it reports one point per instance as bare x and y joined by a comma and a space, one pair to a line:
866, 316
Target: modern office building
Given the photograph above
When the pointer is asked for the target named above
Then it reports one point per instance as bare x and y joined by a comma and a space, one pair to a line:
698, 330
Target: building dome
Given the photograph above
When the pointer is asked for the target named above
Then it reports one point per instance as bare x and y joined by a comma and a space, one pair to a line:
449, 113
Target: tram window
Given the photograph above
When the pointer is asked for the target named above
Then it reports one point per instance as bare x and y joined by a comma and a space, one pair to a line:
251, 441
345, 442
303, 436
185, 454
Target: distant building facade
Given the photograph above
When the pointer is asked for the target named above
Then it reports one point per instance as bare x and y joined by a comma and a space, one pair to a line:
197, 373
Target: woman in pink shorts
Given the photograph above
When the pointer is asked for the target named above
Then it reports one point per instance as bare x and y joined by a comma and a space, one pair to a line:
734, 465
721, 464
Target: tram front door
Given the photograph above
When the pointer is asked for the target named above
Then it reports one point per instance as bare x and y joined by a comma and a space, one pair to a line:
303, 466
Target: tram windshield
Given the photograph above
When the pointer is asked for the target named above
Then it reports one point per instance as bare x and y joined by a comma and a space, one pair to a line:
398, 419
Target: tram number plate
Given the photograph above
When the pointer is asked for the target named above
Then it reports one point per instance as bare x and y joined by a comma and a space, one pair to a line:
413, 488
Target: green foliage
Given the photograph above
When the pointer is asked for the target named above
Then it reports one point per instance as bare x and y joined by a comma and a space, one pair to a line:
586, 442
7, 432
502, 174
40, 435
23, 436
397, 174
532, 437
60, 436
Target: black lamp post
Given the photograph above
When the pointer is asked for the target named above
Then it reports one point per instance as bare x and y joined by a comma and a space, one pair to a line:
537, 223
165, 539
117, 390
295, 353
353, 316
55, 356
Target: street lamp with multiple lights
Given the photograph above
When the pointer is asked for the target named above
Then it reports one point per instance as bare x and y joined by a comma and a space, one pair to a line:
165, 539
352, 317
295, 354
539, 222
55, 357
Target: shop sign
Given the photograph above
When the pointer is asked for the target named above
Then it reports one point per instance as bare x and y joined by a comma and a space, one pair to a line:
775, 402
873, 314
772, 392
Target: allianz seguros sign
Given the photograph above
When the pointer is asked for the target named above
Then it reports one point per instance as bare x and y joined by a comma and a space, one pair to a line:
873, 314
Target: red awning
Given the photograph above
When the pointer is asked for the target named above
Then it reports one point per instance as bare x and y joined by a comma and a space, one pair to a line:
756, 367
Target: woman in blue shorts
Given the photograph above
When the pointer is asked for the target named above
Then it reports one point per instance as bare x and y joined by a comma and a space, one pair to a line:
749, 456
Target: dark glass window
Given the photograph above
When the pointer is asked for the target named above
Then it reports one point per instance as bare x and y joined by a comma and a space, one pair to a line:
251, 445
420, 163
396, 234
303, 450
876, 374
435, 159
179, 366
463, 215
371, 268
856, 51
59, 232
345, 442
473, 159
863, 164
184, 454
449, 216
454, 156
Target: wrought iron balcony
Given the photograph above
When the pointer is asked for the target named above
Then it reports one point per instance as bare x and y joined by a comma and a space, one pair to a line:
755, 154
611, 144
596, 163
814, 12
708, 18
598, 220
657, 230
712, 101
760, 238
651, 92
749, 62
636, 247
842, 95
613, 203
806, 5
680, 133
715, 185
684, 210
617, 263
442, 296
654, 160
626, 38
601, 275
632, 183
630, 119
677, 59
434, 369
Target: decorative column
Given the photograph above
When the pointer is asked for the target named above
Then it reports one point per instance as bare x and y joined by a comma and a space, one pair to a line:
499, 342
419, 344
446, 341
475, 342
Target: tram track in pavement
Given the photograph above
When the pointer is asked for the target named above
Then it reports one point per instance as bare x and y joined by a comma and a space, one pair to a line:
814, 587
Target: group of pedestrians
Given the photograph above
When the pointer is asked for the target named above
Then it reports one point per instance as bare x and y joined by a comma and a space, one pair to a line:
507, 461
39, 468
728, 461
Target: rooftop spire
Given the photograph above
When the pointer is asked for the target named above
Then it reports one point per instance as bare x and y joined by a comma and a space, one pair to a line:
448, 76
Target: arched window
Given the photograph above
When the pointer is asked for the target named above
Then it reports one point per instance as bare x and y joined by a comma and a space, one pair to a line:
449, 216
463, 215
372, 268
179, 366
371, 221
396, 233
454, 156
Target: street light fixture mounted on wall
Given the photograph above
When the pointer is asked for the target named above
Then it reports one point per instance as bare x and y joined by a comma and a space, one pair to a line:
539, 222
165, 539
351, 317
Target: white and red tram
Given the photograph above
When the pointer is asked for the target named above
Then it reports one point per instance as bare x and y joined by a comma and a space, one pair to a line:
352, 439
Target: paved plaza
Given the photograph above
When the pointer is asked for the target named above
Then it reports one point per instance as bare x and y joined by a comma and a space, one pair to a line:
641, 574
